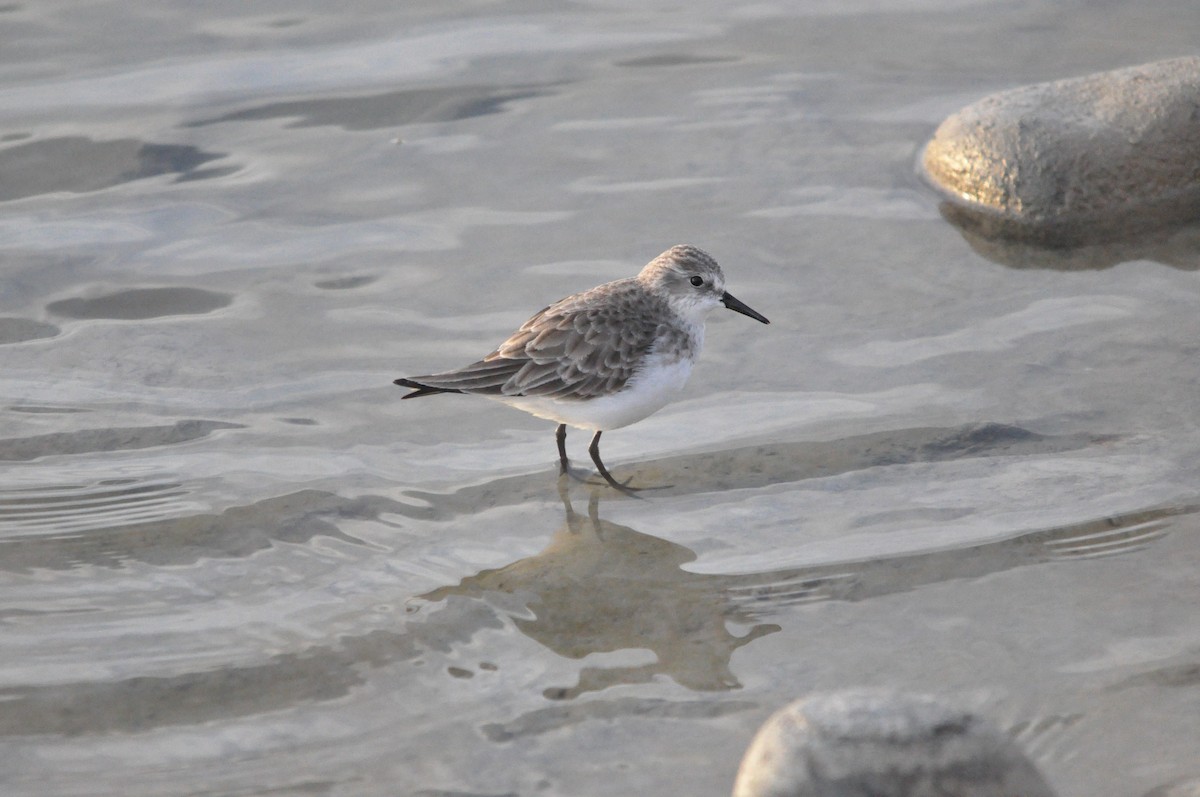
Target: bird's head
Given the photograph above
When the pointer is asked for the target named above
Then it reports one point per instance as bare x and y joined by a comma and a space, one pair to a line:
692, 282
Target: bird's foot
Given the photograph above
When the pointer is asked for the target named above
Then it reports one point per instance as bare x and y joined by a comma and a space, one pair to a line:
624, 487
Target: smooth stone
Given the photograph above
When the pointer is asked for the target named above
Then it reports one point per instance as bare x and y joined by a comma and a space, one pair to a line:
878, 743
1075, 161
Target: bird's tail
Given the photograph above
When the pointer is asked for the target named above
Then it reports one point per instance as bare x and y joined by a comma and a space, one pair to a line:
420, 389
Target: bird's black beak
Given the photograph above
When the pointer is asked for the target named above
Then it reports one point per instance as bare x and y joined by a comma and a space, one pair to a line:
734, 304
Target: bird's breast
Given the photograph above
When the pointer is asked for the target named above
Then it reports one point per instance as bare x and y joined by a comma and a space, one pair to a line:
675, 344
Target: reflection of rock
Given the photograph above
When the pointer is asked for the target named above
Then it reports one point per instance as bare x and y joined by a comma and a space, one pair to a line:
1178, 247
883, 744
1075, 161
599, 587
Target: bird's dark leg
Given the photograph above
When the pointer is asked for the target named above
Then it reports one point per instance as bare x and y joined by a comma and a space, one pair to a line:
561, 436
564, 464
594, 450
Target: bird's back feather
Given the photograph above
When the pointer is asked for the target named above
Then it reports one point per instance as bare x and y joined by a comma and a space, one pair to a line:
586, 345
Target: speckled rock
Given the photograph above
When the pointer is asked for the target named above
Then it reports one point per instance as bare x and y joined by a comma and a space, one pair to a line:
868, 743
1072, 161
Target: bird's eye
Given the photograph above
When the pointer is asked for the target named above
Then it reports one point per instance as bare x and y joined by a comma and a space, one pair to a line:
697, 281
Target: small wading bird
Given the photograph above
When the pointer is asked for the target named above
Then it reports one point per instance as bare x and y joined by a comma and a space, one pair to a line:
604, 358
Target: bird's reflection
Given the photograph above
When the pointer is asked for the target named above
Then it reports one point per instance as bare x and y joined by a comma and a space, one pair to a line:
600, 587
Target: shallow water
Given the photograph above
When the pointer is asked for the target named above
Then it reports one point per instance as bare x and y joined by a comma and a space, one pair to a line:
232, 563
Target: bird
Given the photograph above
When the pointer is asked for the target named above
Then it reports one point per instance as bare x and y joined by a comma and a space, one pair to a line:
604, 358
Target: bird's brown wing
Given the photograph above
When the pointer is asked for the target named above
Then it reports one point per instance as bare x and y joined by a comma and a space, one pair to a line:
583, 346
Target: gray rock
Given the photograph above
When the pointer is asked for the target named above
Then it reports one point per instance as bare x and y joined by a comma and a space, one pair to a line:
868, 743
1075, 161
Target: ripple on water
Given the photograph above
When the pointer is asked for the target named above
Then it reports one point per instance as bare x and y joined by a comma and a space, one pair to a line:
763, 594
19, 330
677, 59
65, 510
84, 441
78, 165
387, 110
194, 616
114, 522
137, 304
346, 283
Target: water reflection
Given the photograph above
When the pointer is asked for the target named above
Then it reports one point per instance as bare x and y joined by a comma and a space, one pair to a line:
86, 441
318, 673
78, 164
600, 587
137, 304
19, 330
387, 110
677, 59
764, 594
1175, 246
767, 464
116, 522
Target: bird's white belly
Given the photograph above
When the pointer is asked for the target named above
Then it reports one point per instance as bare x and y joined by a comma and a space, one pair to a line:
654, 386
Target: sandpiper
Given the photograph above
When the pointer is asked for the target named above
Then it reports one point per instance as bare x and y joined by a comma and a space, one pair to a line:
603, 358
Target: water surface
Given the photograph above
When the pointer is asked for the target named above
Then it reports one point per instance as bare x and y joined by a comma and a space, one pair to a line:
233, 563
